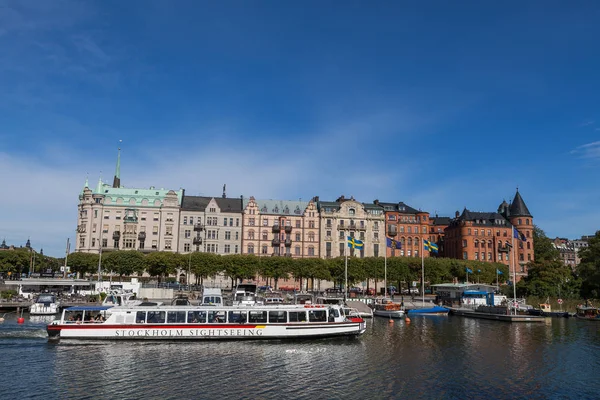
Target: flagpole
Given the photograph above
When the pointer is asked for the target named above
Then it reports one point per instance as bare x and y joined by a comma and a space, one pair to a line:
346, 272
385, 270
514, 269
497, 286
423, 275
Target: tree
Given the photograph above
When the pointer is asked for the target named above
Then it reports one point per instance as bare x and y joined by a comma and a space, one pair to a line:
204, 265
549, 279
162, 263
589, 268
543, 248
124, 262
83, 263
14, 261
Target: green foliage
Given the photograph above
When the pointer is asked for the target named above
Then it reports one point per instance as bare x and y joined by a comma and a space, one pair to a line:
83, 263
15, 261
8, 294
543, 250
549, 279
125, 262
162, 263
589, 268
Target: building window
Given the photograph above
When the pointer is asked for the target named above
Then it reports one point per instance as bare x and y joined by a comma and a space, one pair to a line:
476, 232
104, 242
311, 224
168, 244
521, 257
376, 236
408, 253
265, 235
376, 249
251, 221
250, 248
187, 233
236, 249
342, 247
192, 220
311, 236
464, 244
351, 211
520, 221
311, 251
465, 255
477, 255
82, 242
264, 249
185, 220
266, 222
237, 236
227, 249
186, 247
227, 235
416, 253
251, 235
297, 250
298, 237
156, 216
529, 257
476, 243
224, 221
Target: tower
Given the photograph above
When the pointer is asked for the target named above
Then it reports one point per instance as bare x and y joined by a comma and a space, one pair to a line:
117, 178
520, 217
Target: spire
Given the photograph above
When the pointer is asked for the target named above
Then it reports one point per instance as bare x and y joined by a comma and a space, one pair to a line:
87, 185
99, 187
3, 246
224, 193
117, 179
518, 207
28, 244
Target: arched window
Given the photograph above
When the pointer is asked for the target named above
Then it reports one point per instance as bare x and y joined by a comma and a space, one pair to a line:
403, 240
410, 241
417, 240
264, 249
311, 251
526, 221
250, 248
351, 211
520, 221
476, 243
251, 235
528, 245
489, 247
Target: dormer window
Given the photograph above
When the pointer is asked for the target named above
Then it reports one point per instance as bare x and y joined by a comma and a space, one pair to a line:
351, 211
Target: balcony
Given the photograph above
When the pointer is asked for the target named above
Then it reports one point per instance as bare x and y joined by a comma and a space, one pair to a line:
276, 242
116, 235
142, 236
198, 228
342, 227
197, 241
288, 242
288, 229
276, 228
358, 227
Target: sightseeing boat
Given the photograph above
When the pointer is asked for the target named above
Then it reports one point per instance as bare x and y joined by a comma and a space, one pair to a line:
388, 309
205, 322
587, 312
45, 304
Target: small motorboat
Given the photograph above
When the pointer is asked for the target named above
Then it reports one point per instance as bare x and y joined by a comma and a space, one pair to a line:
435, 310
388, 309
545, 310
587, 312
45, 304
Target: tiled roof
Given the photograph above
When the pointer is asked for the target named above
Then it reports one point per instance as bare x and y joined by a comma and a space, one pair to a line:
441, 220
199, 203
400, 207
518, 207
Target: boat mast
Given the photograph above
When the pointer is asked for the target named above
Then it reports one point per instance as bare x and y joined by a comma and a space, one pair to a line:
423, 275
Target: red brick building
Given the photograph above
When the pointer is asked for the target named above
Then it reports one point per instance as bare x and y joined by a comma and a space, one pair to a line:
406, 225
488, 236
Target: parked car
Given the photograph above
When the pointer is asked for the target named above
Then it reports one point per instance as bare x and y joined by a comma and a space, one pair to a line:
356, 290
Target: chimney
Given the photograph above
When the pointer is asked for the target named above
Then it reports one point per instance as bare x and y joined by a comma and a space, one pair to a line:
457, 214
376, 202
316, 199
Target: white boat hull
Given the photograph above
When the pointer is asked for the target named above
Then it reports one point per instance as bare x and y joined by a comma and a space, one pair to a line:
389, 313
199, 332
40, 309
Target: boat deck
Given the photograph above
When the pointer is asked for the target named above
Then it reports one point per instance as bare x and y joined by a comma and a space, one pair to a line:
469, 313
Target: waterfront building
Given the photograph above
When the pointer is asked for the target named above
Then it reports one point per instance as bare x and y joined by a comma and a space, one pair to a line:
488, 236
437, 232
569, 249
210, 224
347, 217
119, 218
407, 225
280, 228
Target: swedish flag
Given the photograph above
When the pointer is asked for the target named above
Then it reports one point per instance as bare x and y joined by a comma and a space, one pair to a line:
432, 247
355, 243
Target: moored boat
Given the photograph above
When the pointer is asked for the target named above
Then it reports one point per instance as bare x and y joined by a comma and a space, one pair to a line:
388, 309
587, 312
45, 304
205, 322
435, 310
545, 310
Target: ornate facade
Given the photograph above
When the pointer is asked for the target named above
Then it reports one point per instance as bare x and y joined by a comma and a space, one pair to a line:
347, 217
210, 224
488, 236
280, 228
406, 225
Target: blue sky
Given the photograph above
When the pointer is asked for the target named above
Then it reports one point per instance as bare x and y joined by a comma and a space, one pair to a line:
441, 105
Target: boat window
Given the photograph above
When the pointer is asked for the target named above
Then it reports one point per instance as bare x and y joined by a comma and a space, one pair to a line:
216, 317
212, 300
257, 316
297, 316
72, 316
277, 316
335, 312
174, 317
156, 317
196, 317
237, 316
317, 316
140, 317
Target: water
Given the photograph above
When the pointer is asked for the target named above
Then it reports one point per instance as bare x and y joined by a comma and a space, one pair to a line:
430, 358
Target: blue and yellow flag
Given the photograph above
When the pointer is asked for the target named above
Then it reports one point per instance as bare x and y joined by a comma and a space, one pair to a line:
432, 247
394, 244
355, 243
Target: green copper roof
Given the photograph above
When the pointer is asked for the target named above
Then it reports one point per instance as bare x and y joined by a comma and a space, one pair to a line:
134, 196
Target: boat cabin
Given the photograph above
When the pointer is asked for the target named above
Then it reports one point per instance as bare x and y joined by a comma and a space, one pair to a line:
212, 297
467, 294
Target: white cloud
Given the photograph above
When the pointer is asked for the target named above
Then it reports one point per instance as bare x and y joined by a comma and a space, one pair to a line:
589, 150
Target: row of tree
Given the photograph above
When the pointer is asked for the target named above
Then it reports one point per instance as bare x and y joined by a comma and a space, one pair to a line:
548, 275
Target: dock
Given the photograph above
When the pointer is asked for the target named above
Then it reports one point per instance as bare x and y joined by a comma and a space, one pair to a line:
469, 313
363, 309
